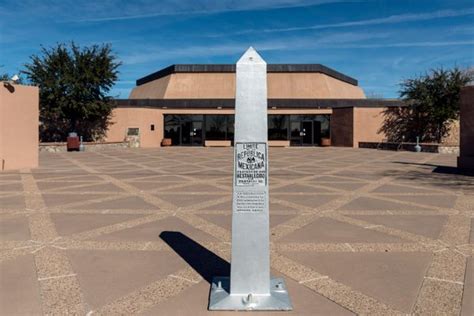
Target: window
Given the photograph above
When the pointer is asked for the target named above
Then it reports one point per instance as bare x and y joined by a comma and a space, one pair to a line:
278, 127
216, 127
172, 128
152, 127
133, 131
219, 127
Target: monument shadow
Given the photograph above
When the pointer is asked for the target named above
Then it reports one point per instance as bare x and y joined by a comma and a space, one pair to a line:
203, 261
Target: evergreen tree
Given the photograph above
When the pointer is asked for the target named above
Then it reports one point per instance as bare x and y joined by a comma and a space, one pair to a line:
433, 104
74, 84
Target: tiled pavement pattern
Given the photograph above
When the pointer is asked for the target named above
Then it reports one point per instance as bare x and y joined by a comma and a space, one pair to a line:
143, 231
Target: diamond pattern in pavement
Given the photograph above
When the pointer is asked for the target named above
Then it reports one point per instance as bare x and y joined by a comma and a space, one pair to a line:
141, 231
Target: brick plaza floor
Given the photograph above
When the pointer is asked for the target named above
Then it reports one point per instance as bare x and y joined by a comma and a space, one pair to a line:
143, 231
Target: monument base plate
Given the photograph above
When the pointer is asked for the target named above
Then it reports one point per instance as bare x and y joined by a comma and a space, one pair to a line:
220, 299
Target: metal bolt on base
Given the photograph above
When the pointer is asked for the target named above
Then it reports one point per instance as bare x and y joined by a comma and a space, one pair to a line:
221, 299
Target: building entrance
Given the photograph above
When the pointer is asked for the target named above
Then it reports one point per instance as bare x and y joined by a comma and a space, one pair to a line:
191, 133
184, 130
306, 133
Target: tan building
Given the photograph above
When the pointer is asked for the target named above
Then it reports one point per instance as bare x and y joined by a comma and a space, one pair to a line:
193, 105
19, 117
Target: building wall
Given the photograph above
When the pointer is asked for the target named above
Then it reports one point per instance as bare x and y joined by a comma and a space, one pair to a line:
130, 117
19, 122
143, 118
367, 124
222, 86
342, 127
349, 126
310, 86
466, 148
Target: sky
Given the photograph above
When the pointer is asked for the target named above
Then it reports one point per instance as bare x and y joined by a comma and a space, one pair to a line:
380, 43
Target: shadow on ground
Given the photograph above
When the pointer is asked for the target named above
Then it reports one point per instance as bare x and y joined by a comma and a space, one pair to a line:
437, 175
203, 261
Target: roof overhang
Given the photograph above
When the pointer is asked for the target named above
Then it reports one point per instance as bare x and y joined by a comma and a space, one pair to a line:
230, 68
272, 103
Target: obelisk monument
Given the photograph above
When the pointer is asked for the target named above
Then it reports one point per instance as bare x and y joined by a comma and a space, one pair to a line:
250, 286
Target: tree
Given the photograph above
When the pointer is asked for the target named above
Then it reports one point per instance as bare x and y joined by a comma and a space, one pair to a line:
74, 85
433, 104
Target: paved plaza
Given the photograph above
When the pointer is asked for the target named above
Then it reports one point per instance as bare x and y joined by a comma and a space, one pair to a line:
143, 231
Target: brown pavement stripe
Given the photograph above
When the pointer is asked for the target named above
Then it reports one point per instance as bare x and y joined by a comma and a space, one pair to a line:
19, 292
14, 227
206, 226
393, 278
193, 301
384, 229
85, 202
351, 158
116, 245
106, 276
426, 225
468, 295
335, 291
109, 229
443, 285
68, 224
399, 212
59, 288
152, 294
149, 198
352, 247
330, 205
333, 230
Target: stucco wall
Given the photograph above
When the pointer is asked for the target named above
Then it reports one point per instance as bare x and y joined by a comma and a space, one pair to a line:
19, 117
310, 86
222, 86
466, 157
367, 123
349, 126
143, 118
129, 117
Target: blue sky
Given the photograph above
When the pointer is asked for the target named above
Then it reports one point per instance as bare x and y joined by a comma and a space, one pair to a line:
379, 43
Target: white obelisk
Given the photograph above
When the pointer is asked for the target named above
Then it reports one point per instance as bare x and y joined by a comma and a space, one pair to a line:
251, 286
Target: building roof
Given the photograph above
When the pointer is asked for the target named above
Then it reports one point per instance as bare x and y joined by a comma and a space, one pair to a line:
229, 68
272, 103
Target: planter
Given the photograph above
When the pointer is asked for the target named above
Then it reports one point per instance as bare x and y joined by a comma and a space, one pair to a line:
166, 142
325, 142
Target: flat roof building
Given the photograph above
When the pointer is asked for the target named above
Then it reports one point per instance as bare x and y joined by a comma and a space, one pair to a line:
193, 105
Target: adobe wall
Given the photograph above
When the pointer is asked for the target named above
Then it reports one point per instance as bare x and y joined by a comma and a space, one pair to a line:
19, 123
367, 124
142, 118
222, 86
129, 117
342, 127
466, 148
349, 126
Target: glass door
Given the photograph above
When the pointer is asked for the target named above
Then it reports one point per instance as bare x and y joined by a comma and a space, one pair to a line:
307, 133
196, 134
295, 134
186, 133
191, 133
316, 133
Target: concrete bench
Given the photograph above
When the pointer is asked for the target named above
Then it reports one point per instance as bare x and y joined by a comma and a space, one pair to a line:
279, 143
217, 143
